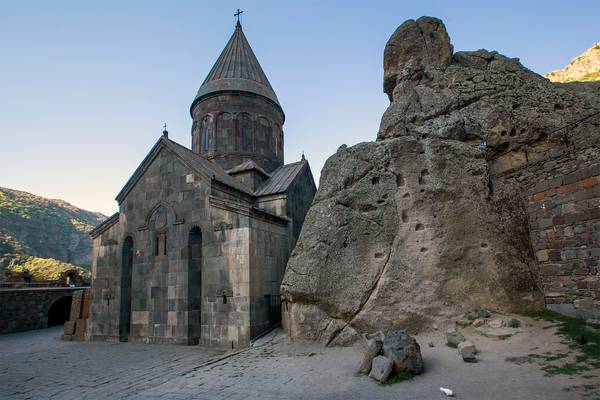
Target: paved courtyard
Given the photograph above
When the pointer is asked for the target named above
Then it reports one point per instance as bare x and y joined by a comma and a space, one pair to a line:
38, 365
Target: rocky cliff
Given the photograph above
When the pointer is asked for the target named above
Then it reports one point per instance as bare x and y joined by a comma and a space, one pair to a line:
421, 225
583, 68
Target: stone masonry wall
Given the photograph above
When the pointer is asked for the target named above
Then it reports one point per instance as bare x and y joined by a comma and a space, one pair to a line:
76, 327
25, 309
269, 253
564, 215
262, 120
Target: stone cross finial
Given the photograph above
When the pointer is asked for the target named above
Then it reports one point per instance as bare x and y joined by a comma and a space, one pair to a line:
165, 132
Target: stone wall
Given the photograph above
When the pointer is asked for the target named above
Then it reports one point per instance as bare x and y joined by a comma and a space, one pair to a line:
564, 216
25, 309
299, 199
225, 313
161, 209
226, 116
269, 252
172, 298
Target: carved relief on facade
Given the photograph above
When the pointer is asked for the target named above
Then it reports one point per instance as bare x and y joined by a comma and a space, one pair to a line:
160, 217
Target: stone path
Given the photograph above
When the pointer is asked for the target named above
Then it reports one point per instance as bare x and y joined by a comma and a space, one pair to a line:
38, 365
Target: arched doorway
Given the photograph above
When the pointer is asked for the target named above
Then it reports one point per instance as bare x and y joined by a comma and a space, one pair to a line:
60, 311
125, 303
195, 277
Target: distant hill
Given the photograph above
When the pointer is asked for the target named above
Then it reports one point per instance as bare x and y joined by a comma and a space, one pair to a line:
43, 235
583, 68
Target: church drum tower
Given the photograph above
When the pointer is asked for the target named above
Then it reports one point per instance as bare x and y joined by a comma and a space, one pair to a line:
237, 116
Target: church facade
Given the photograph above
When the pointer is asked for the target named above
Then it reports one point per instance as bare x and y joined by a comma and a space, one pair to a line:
198, 249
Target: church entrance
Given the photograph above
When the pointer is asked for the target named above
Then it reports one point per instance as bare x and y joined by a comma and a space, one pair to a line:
125, 304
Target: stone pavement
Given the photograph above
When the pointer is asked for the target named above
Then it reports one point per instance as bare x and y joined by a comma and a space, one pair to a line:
38, 365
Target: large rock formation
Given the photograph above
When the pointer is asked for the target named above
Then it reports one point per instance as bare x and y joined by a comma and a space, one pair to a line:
419, 225
584, 67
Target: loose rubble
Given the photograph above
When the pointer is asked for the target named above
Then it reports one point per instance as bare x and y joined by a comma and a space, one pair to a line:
373, 349
399, 353
467, 350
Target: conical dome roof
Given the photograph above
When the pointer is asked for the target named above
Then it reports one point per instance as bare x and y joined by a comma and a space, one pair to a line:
237, 69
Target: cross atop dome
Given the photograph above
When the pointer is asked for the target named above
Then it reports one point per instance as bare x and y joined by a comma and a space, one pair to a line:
237, 14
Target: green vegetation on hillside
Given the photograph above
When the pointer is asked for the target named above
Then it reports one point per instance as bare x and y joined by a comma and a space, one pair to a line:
592, 76
44, 269
45, 236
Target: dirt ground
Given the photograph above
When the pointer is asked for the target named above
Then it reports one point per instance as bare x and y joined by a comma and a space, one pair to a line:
38, 365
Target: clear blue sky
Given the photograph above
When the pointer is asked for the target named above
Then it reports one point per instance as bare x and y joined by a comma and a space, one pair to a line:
85, 86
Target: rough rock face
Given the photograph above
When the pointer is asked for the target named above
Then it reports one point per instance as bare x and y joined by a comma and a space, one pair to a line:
584, 67
419, 226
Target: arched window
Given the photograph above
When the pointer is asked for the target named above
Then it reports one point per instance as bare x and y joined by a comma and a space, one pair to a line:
206, 131
160, 244
224, 131
245, 126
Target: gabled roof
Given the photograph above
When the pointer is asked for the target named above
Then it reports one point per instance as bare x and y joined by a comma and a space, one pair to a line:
200, 163
104, 225
248, 165
281, 179
237, 69
195, 161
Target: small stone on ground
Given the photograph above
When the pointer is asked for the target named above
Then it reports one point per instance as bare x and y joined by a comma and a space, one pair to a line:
381, 369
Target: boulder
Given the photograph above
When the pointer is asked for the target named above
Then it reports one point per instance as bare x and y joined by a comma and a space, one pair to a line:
404, 351
421, 225
373, 350
454, 337
381, 369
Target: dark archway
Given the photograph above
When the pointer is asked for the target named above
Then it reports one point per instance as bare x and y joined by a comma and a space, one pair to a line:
195, 278
126, 274
60, 311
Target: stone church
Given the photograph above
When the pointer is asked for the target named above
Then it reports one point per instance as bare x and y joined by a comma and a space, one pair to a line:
198, 249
